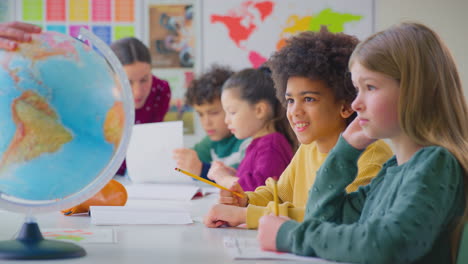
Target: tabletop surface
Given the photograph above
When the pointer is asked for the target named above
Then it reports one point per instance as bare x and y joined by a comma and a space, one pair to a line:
192, 243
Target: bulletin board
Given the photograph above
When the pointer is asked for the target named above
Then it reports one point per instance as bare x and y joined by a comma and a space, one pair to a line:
170, 29
108, 19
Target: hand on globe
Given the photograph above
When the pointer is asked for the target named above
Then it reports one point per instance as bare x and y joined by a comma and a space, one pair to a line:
13, 32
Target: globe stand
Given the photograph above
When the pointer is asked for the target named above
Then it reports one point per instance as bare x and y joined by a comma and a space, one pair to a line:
30, 244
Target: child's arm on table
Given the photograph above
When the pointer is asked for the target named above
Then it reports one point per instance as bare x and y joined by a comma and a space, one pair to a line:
221, 214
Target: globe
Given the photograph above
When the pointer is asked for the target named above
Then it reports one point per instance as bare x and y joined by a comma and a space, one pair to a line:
66, 112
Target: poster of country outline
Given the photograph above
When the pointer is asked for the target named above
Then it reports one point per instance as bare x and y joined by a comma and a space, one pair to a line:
250, 30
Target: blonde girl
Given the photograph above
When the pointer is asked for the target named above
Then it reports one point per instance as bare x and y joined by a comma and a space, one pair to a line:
409, 92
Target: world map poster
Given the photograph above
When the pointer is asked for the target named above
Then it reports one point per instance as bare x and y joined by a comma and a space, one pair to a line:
245, 33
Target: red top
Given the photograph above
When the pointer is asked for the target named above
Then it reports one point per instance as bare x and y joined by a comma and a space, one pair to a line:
156, 105
265, 157
154, 109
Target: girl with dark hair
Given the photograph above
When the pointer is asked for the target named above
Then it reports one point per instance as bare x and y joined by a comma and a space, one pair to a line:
252, 110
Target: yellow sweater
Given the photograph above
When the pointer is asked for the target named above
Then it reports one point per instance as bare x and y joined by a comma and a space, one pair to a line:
299, 176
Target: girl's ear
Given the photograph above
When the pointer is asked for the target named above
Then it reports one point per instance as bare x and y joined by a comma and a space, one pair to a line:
346, 110
261, 110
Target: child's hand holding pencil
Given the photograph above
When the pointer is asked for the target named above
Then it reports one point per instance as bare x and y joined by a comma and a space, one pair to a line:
228, 198
210, 183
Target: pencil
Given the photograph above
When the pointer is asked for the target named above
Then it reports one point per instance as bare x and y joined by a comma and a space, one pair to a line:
275, 193
209, 182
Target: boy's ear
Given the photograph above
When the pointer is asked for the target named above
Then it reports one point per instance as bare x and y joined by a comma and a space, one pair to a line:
346, 111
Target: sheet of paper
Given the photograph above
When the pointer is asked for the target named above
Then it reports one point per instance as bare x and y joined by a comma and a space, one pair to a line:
152, 191
81, 236
208, 190
160, 205
122, 215
248, 248
149, 153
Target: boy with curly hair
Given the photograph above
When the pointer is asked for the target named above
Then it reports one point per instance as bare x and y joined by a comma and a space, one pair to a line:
204, 95
310, 75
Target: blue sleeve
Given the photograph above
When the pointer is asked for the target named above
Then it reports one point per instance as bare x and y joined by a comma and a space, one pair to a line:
204, 172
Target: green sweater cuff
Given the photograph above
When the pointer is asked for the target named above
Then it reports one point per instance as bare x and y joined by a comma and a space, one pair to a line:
346, 149
284, 237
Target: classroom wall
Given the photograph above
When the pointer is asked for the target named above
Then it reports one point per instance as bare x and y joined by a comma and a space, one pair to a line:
449, 18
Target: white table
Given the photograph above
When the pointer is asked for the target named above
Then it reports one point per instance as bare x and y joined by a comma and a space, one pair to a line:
167, 244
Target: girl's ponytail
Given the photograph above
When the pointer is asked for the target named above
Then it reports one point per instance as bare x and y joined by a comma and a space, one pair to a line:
282, 124
280, 119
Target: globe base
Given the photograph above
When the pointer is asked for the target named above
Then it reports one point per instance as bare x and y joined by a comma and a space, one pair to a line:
30, 244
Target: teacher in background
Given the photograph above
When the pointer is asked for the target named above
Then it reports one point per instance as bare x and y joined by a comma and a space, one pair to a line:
151, 94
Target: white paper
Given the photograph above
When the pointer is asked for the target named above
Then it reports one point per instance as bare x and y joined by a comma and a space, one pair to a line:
160, 205
150, 191
81, 236
149, 153
249, 248
208, 190
122, 215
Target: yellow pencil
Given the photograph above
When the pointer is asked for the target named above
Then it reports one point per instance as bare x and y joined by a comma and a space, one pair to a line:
209, 182
275, 193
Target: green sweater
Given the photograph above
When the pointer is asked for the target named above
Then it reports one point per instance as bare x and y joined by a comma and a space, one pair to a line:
405, 215
228, 150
